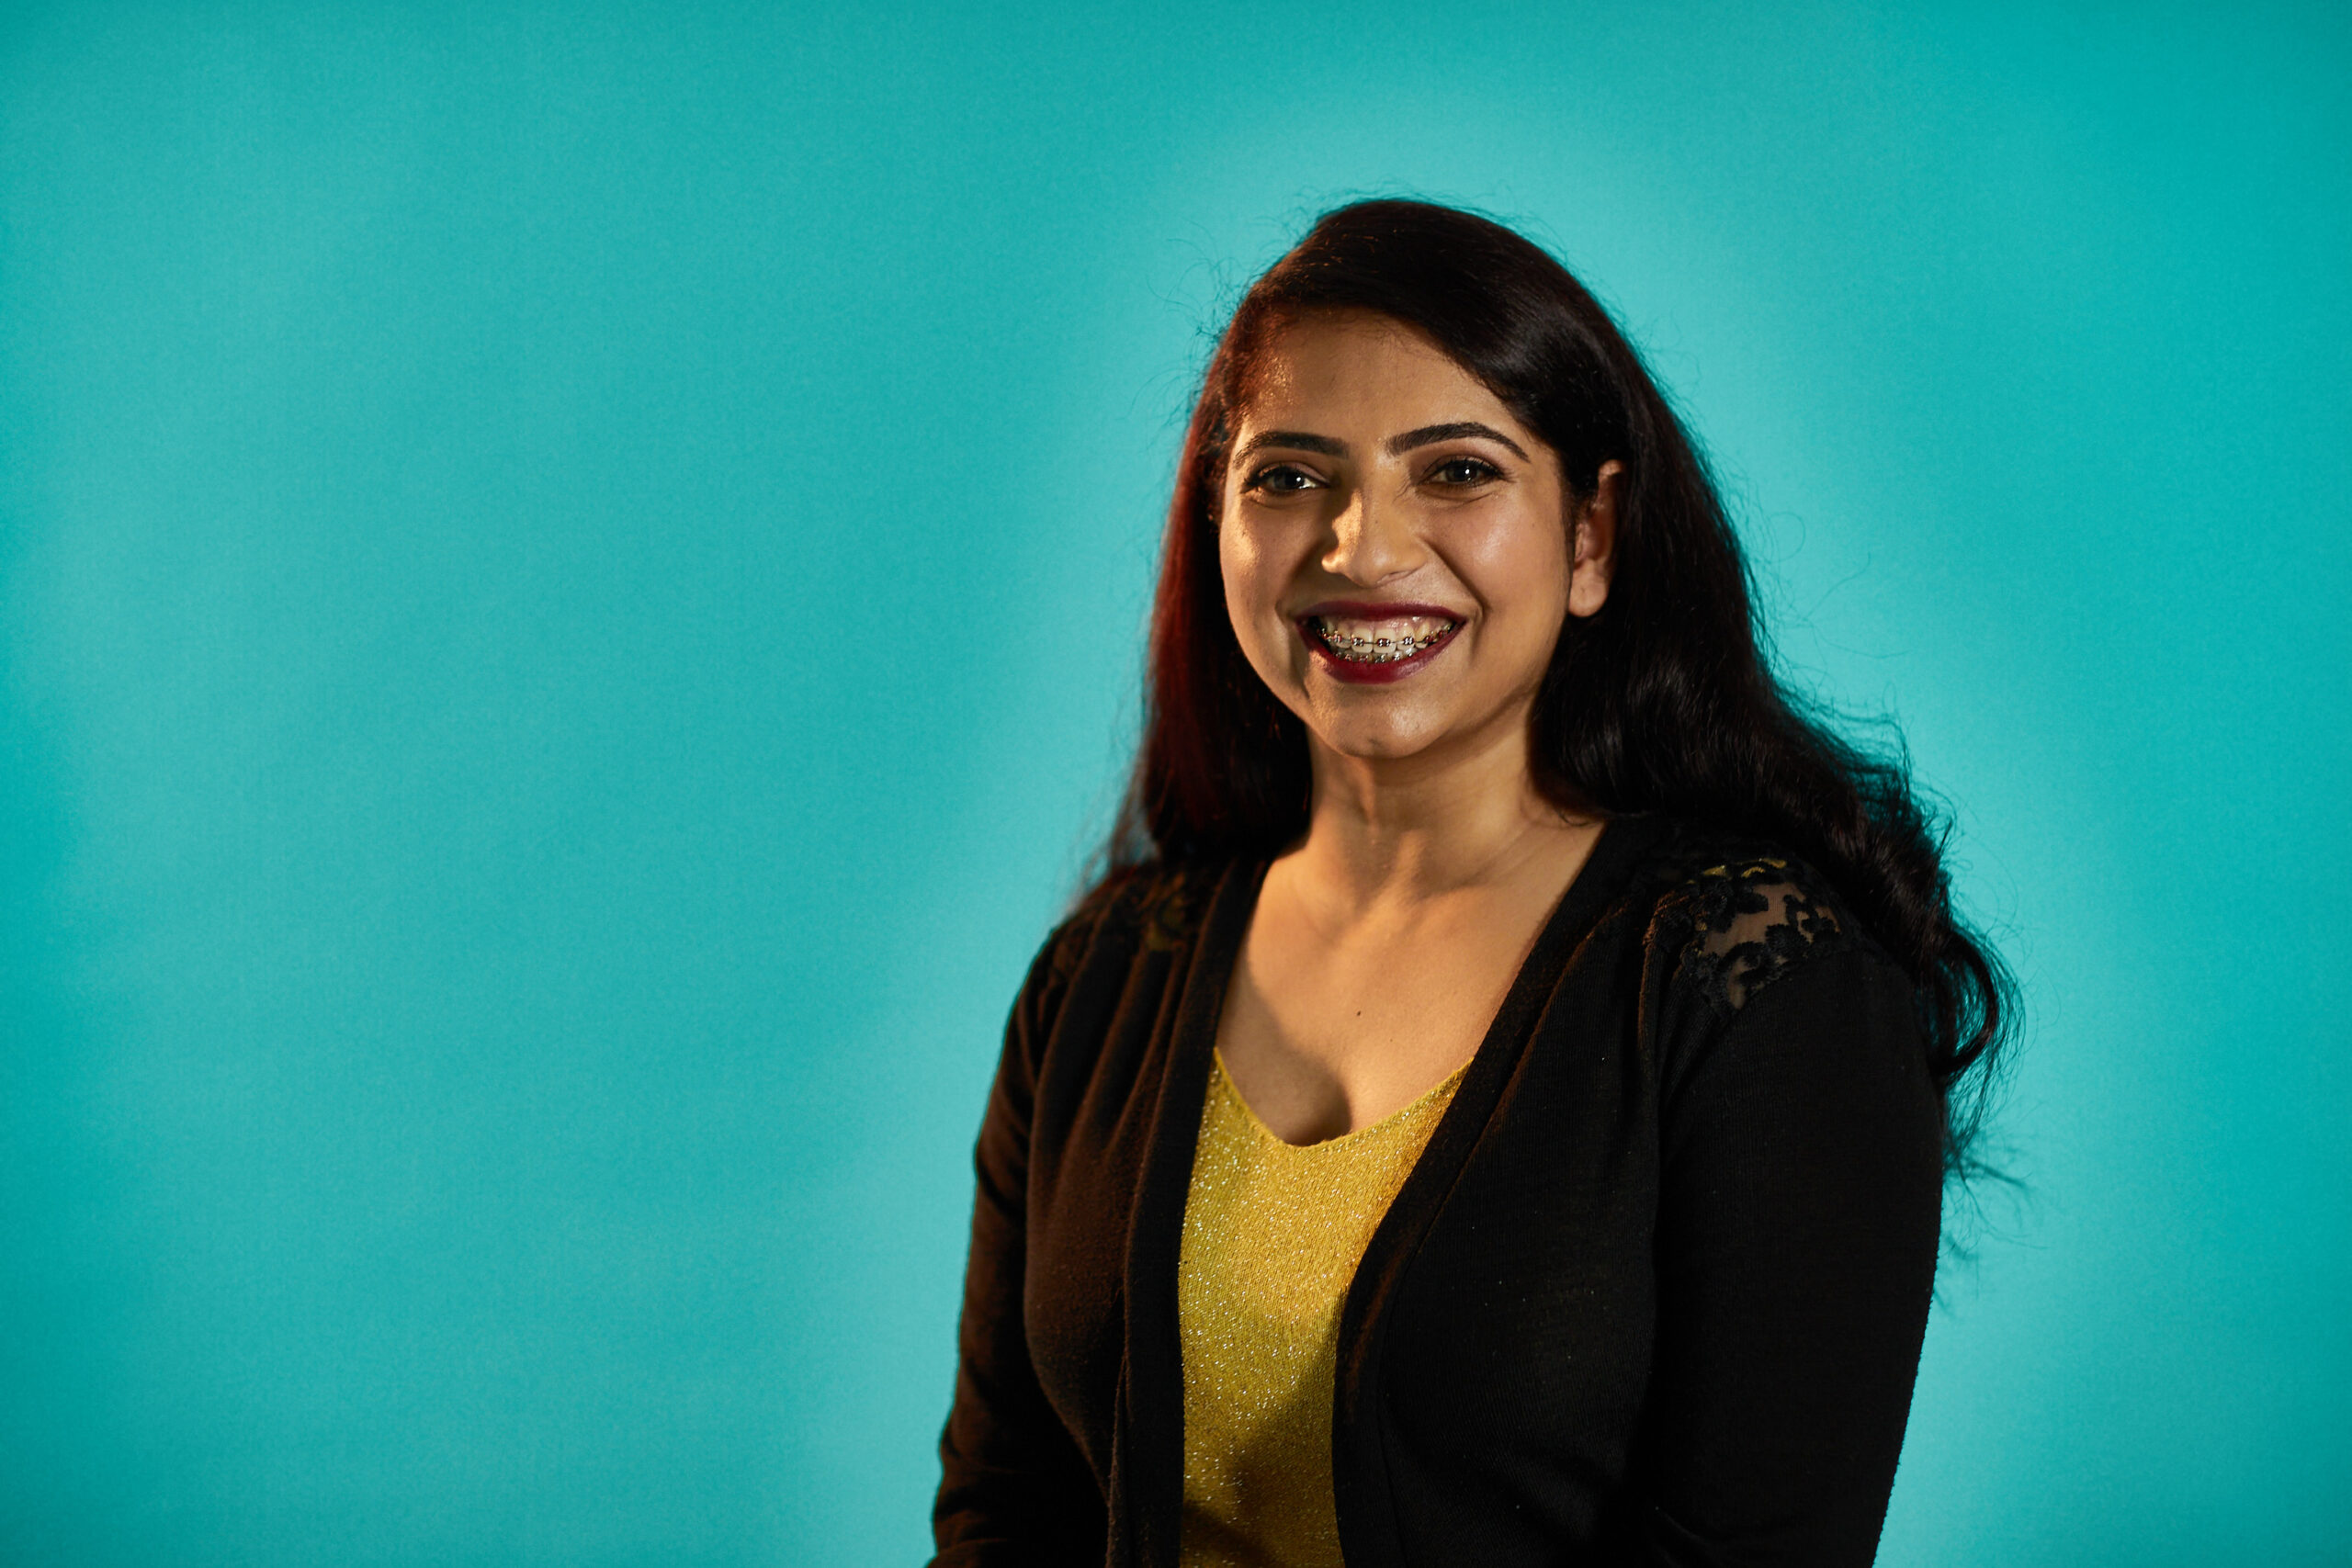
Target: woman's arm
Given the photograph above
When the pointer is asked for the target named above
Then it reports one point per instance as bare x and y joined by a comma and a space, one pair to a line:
1799, 1213
1013, 1488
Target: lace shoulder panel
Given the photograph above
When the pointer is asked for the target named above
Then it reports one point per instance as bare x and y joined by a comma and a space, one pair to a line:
1159, 904
1172, 908
1744, 920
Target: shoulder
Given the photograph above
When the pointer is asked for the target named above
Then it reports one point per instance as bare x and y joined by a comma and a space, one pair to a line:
1727, 916
1771, 1000
1156, 906
1133, 914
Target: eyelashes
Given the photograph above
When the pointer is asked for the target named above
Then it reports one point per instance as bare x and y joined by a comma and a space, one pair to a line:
1447, 473
1275, 478
1467, 470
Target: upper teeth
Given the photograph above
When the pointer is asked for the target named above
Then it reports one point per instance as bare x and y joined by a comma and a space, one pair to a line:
1399, 637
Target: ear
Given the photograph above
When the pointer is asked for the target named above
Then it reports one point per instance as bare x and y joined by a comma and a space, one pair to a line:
1596, 544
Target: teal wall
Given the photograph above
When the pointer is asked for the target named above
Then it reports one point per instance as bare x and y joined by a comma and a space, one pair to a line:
571, 583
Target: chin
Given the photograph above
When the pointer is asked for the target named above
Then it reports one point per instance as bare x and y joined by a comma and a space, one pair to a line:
1375, 742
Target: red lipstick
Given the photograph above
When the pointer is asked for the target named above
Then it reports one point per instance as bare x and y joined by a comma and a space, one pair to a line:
1367, 672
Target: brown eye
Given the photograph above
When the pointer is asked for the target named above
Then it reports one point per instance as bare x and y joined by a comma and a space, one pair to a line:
1281, 478
1464, 471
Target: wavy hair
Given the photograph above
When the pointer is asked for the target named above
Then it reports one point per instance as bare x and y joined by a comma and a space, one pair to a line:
1662, 703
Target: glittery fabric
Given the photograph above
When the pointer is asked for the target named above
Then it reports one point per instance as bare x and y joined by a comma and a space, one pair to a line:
1272, 1235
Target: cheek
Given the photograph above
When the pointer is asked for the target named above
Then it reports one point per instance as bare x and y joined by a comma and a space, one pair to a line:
1253, 583
1518, 563
1243, 563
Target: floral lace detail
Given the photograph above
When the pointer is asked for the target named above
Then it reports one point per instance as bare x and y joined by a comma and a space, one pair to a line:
1167, 913
1750, 920
1160, 904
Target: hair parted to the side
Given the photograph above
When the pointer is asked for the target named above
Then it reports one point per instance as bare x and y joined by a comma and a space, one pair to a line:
1662, 703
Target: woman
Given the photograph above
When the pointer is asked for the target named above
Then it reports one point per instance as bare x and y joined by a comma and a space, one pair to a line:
1497, 1108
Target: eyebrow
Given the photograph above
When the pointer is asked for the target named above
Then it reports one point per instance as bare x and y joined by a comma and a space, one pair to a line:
1430, 434
1297, 440
1395, 446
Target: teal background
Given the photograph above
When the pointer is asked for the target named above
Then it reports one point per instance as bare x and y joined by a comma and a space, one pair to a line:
572, 584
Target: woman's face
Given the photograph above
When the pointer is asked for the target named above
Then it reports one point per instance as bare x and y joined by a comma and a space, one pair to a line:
1395, 546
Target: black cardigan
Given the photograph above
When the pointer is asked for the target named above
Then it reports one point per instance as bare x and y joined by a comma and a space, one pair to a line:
1654, 1292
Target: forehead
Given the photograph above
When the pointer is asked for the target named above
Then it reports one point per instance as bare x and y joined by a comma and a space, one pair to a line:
1364, 374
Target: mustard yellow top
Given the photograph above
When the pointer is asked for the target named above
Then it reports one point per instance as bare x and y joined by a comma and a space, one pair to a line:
1272, 1235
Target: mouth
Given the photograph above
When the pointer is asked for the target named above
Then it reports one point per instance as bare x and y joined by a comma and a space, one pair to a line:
1373, 642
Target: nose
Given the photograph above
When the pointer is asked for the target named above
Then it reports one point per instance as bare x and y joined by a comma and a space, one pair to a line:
1372, 541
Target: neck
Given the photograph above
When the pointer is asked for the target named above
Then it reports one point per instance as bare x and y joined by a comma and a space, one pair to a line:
1410, 828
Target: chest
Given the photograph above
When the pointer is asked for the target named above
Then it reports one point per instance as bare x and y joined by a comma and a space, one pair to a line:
1502, 1316
1508, 1285
1326, 1034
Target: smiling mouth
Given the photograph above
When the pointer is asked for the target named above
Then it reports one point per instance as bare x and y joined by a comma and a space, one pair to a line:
1354, 640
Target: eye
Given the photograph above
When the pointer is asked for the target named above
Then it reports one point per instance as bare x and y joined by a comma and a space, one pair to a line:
1281, 478
1458, 471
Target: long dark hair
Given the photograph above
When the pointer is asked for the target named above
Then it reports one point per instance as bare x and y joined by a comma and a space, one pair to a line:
1660, 703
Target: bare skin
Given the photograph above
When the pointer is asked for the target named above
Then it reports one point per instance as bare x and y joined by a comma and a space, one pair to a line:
1383, 942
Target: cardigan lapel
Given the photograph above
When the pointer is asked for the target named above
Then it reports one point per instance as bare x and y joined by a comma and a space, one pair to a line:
1148, 1454
1367, 1513
1148, 1461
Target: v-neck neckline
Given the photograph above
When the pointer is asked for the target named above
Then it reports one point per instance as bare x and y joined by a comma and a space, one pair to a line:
1220, 1076
1153, 1388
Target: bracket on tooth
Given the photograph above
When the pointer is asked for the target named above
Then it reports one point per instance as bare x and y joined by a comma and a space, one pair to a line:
1380, 649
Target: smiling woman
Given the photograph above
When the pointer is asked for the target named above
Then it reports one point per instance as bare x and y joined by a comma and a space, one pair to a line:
1496, 1107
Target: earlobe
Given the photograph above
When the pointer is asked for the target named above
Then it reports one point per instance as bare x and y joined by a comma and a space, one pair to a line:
1596, 544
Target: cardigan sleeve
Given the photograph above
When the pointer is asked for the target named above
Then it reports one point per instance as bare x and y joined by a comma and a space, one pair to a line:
1014, 1487
1798, 1225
